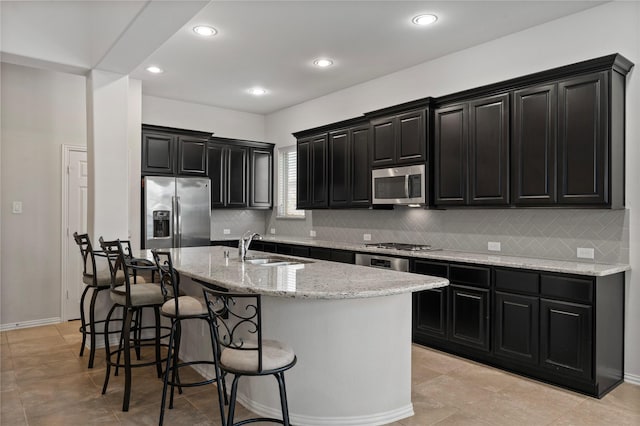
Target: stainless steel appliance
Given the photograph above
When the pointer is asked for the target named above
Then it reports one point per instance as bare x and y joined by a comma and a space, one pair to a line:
403, 246
177, 212
384, 262
399, 185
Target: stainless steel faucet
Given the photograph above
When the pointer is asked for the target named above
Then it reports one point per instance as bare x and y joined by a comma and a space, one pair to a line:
245, 242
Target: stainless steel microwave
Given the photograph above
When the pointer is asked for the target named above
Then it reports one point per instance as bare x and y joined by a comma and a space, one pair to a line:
399, 185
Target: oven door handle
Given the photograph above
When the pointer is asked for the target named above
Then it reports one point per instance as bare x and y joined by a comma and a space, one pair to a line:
406, 186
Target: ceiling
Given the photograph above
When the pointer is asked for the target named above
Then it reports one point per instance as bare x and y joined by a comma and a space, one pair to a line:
271, 44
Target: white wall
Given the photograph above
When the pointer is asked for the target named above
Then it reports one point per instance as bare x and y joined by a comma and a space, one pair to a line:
183, 115
611, 28
41, 111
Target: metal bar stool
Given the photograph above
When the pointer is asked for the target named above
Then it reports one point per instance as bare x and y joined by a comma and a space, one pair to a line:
179, 309
238, 331
96, 279
133, 298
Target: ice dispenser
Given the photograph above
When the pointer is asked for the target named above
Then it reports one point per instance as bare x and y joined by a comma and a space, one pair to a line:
161, 220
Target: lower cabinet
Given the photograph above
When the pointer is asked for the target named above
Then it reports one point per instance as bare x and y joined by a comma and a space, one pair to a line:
469, 317
563, 329
565, 338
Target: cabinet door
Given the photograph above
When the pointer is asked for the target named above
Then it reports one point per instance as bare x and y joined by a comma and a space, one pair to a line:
430, 313
516, 327
489, 151
319, 180
534, 147
158, 153
216, 170
236, 177
339, 160
411, 138
450, 149
360, 167
303, 160
383, 142
469, 317
565, 338
261, 181
582, 140
192, 156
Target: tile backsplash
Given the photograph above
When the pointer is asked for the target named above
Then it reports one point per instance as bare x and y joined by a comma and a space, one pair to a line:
543, 233
237, 222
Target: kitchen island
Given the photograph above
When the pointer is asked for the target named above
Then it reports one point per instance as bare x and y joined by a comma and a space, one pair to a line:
349, 325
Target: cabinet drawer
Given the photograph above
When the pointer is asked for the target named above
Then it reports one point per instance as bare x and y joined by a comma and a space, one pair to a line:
435, 269
470, 275
525, 282
577, 289
343, 256
320, 253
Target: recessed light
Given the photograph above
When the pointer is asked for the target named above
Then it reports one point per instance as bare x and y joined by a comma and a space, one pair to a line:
257, 91
323, 62
155, 70
205, 30
423, 20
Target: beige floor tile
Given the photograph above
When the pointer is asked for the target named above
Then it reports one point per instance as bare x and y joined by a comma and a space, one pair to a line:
592, 413
460, 419
625, 396
428, 412
41, 398
69, 328
182, 414
93, 412
40, 358
8, 381
450, 391
36, 346
62, 368
20, 335
3, 338
420, 373
437, 361
485, 377
11, 409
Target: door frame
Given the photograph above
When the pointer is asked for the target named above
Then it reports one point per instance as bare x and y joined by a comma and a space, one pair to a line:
64, 228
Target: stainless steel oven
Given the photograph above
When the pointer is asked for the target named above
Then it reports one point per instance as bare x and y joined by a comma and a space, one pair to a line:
384, 262
399, 185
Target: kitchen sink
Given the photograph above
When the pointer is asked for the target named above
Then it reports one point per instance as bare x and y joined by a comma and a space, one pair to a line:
274, 261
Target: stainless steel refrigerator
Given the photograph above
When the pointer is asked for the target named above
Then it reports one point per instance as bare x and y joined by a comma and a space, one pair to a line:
177, 212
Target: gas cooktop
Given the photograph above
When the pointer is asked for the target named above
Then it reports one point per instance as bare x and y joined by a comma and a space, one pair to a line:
403, 246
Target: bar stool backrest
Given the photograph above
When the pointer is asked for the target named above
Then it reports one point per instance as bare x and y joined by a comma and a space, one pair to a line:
237, 320
88, 256
117, 262
169, 277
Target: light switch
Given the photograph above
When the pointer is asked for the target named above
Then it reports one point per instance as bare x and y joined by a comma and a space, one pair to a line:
585, 253
493, 246
312, 233
366, 237
226, 231
273, 230
17, 207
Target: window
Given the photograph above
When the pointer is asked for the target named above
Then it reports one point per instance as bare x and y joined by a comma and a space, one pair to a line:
287, 176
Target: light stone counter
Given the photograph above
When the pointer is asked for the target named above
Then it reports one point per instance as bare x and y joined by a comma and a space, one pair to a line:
350, 327
312, 279
548, 265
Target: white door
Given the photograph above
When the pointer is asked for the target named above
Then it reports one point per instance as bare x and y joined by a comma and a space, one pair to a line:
75, 217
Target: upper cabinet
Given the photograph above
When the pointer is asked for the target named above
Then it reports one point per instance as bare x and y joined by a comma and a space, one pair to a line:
168, 151
550, 139
241, 172
398, 138
471, 148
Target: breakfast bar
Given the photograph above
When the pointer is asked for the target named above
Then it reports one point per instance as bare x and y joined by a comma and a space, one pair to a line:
349, 325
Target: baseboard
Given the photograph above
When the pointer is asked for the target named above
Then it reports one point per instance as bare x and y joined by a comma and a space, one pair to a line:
28, 324
634, 379
368, 420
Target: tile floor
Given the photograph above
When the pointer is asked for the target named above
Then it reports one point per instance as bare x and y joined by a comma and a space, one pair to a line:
44, 382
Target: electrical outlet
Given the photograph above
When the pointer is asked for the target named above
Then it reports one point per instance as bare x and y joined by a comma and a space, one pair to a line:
585, 253
226, 231
312, 233
366, 237
17, 207
273, 230
493, 246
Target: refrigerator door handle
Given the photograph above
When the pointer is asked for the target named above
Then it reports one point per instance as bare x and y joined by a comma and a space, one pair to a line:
178, 223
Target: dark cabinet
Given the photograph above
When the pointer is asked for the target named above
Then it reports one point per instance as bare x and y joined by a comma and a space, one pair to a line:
174, 152
158, 153
471, 148
192, 156
349, 169
534, 145
241, 174
565, 338
430, 306
469, 317
261, 178
582, 138
312, 183
399, 139
516, 327
228, 174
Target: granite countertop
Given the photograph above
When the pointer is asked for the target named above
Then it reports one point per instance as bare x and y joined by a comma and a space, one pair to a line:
310, 279
567, 267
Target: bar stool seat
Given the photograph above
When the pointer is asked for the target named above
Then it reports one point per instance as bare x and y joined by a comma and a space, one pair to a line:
275, 355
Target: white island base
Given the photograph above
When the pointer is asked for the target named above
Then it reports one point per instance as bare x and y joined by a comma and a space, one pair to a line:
354, 359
